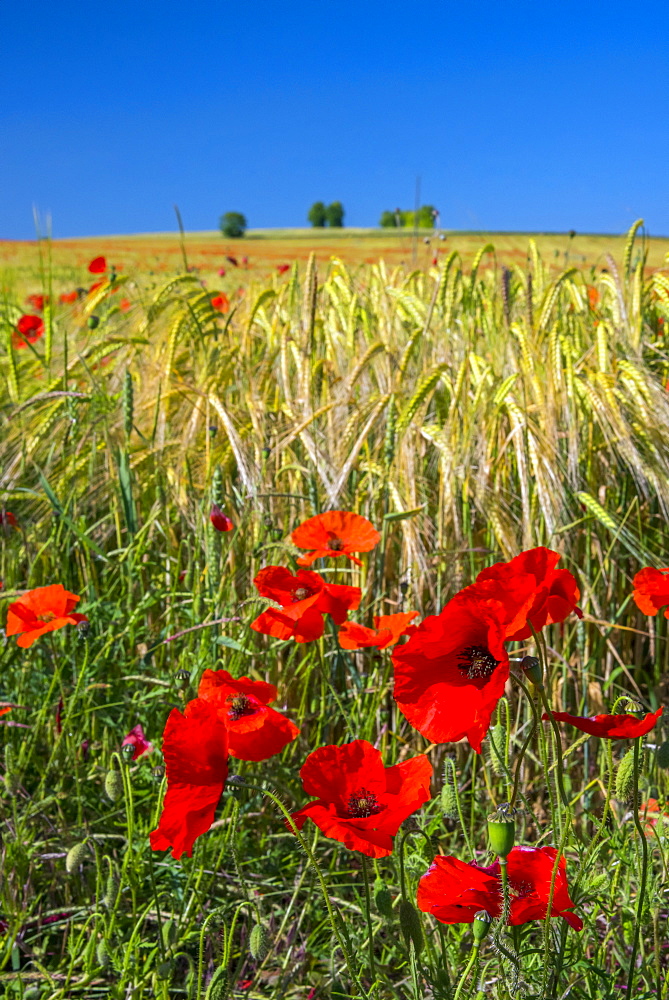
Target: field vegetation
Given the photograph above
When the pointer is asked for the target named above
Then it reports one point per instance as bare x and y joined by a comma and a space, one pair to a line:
472, 400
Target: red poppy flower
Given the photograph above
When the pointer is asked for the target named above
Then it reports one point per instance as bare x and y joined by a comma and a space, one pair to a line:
360, 802
138, 740
221, 272
451, 673
593, 296
124, 305
255, 731
68, 297
6, 517
454, 891
37, 301
282, 268
221, 303
42, 610
98, 265
96, 284
387, 631
652, 813
335, 533
651, 591
553, 593
195, 749
611, 727
304, 599
3, 711
28, 328
220, 520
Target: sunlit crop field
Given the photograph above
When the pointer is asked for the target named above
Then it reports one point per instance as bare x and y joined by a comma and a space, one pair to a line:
169, 418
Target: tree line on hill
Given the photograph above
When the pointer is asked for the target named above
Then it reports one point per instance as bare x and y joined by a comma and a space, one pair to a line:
233, 224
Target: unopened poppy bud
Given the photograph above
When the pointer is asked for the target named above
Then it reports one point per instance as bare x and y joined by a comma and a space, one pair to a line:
531, 666
112, 890
93, 322
449, 791
411, 926
75, 857
625, 775
32, 993
220, 520
662, 754
170, 933
102, 954
501, 830
218, 985
114, 785
383, 899
481, 925
258, 943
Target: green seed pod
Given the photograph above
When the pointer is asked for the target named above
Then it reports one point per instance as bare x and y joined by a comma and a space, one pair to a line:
113, 886
662, 754
383, 899
102, 954
128, 404
411, 926
597, 883
114, 784
502, 830
449, 792
625, 776
481, 925
32, 993
258, 943
93, 322
218, 985
75, 857
531, 666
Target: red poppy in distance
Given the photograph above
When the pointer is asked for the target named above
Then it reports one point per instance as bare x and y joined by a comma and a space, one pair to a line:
611, 727
37, 301
220, 520
98, 265
553, 593
304, 599
454, 891
360, 802
195, 749
387, 631
29, 329
6, 517
451, 673
335, 533
255, 731
68, 297
3, 711
282, 268
221, 303
651, 591
42, 610
138, 741
221, 272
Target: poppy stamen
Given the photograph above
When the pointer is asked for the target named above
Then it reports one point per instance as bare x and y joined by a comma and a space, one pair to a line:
477, 662
240, 705
362, 804
335, 544
301, 593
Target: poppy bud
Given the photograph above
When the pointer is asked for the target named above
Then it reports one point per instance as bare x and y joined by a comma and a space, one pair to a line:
32, 993
625, 775
501, 830
531, 666
170, 933
411, 926
218, 984
220, 520
258, 943
113, 886
481, 925
93, 322
449, 791
102, 954
383, 899
114, 784
662, 754
75, 857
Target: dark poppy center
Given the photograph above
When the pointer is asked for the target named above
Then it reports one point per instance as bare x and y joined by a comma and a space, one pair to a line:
240, 705
301, 593
363, 803
46, 616
477, 662
521, 889
335, 544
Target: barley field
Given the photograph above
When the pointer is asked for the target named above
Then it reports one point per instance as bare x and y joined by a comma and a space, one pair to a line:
168, 418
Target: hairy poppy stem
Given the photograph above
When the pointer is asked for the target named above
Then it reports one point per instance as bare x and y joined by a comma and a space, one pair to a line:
473, 961
368, 913
644, 872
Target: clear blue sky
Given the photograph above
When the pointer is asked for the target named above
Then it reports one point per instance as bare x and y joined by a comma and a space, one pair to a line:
516, 115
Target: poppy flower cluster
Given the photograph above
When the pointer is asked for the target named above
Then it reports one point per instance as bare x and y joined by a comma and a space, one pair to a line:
304, 600
42, 610
229, 717
453, 891
452, 672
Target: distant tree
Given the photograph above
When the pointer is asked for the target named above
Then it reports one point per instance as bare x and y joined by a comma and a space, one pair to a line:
233, 224
335, 215
318, 215
388, 220
426, 216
